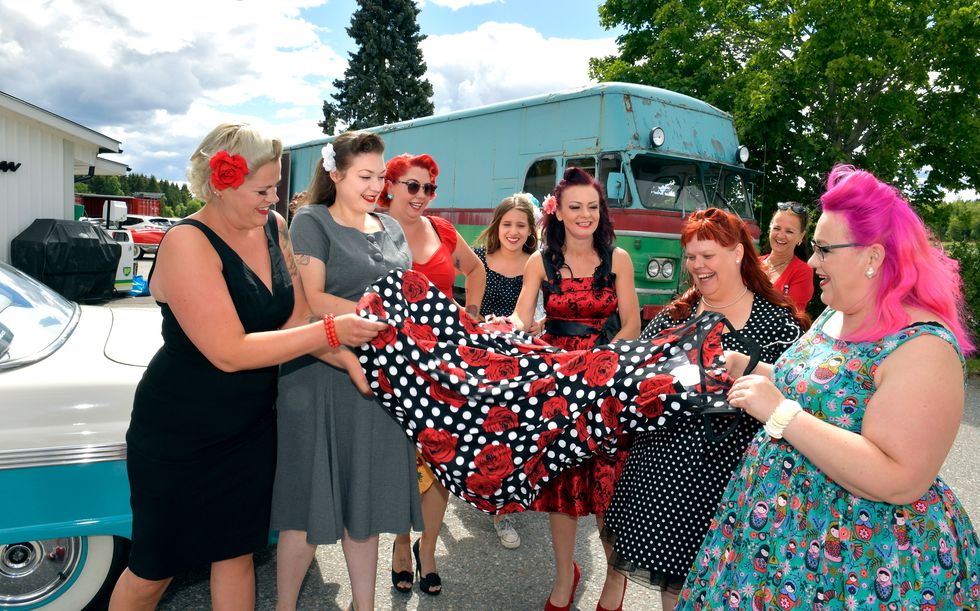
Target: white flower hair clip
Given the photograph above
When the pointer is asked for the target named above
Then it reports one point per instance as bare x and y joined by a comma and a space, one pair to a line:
329, 158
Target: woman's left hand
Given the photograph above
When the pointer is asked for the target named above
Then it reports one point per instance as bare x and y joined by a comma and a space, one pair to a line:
755, 395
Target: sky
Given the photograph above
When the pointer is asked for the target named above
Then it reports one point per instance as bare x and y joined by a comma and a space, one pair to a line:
158, 76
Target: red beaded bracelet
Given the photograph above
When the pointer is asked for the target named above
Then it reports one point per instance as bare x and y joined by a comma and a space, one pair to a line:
331, 330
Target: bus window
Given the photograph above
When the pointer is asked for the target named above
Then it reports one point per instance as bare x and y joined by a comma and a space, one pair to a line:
541, 178
586, 163
666, 184
727, 190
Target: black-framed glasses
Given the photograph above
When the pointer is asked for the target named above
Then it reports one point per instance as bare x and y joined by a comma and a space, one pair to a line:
824, 249
413, 187
795, 207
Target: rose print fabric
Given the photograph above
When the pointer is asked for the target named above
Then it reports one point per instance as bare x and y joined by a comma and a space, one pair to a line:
497, 414
587, 488
788, 537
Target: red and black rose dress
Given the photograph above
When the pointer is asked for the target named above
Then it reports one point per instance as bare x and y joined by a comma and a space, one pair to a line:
576, 310
499, 415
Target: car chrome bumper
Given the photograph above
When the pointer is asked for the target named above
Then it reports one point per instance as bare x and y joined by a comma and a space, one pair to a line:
65, 455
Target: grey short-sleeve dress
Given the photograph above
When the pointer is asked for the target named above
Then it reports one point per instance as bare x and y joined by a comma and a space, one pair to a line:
343, 463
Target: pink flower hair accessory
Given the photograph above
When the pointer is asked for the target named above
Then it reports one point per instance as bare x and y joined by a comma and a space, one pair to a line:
550, 205
227, 170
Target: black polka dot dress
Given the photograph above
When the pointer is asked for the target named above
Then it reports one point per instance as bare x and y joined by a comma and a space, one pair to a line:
498, 414
674, 478
502, 291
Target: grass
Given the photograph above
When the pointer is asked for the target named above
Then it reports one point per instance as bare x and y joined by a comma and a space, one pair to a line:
973, 366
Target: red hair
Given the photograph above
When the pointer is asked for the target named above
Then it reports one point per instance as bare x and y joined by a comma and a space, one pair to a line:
399, 164
728, 230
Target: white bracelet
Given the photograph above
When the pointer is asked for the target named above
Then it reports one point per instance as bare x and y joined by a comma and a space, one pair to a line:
780, 418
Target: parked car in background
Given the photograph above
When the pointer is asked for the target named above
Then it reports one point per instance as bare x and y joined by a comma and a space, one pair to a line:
68, 374
147, 232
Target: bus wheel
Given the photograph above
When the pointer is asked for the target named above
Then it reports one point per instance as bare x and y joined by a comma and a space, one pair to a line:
68, 573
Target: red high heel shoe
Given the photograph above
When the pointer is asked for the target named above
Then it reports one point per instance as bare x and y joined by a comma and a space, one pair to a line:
549, 606
599, 607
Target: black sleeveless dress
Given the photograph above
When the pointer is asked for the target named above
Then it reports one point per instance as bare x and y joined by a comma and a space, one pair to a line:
202, 442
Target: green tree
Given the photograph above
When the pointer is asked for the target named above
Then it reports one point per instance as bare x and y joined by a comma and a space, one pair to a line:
385, 78
888, 85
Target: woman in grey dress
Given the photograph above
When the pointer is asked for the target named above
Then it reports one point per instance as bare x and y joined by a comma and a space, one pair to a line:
345, 470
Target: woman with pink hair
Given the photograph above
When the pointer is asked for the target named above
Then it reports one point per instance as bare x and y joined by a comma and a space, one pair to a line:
859, 416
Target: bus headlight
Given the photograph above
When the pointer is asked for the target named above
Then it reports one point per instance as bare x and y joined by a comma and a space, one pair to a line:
743, 153
667, 269
653, 268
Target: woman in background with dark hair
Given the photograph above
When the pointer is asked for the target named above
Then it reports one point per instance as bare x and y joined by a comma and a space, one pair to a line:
784, 264
585, 280
674, 477
346, 471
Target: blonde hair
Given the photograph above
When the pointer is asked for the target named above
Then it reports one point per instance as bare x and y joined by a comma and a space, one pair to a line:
490, 237
237, 139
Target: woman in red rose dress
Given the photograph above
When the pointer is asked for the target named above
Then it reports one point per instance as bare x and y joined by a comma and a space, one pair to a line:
585, 280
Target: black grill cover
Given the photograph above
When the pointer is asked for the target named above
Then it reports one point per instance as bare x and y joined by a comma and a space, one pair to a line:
75, 258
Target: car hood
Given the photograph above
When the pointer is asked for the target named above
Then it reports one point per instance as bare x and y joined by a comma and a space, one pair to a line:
134, 336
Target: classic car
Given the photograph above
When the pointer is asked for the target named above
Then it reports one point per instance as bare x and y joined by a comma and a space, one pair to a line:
67, 378
146, 238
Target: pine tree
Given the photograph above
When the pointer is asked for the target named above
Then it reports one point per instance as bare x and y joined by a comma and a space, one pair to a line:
385, 79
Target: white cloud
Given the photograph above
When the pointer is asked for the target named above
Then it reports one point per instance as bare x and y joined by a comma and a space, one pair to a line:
458, 4
158, 76
505, 61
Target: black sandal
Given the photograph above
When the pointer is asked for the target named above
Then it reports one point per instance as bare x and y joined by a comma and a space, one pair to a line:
430, 581
401, 576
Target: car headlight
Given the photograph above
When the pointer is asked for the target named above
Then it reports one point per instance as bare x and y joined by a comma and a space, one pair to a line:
667, 269
653, 268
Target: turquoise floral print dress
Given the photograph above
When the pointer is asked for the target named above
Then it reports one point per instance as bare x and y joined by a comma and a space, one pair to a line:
788, 537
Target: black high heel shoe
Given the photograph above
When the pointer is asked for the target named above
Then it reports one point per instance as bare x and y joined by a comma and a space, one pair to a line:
401, 576
431, 580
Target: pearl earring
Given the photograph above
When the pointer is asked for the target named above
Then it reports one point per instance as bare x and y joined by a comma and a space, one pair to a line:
869, 273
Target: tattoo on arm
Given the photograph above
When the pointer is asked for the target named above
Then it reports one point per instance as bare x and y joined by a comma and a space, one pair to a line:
302, 259
287, 251
457, 262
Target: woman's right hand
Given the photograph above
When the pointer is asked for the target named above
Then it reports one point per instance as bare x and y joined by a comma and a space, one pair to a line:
735, 363
352, 330
347, 360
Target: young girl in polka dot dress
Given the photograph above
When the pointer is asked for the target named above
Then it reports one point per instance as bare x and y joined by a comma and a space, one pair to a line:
505, 246
585, 280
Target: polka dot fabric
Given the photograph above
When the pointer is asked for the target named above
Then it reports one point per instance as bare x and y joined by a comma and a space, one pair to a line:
496, 413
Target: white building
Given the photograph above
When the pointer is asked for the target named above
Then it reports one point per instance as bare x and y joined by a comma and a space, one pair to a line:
40, 154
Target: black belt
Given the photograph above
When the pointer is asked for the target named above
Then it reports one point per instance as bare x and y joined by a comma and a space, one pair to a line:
568, 328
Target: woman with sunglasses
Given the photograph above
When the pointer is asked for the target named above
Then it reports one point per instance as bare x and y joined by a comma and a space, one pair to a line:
784, 264
673, 479
841, 490
439, 252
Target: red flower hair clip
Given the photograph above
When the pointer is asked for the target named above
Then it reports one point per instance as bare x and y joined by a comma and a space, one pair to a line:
227, 170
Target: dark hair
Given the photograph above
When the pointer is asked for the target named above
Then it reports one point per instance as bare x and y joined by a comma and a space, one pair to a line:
603, 240
728, 230
490, 237
346, 146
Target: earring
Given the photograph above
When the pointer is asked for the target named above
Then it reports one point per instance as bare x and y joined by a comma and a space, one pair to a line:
737, 261
389, 196
869, 273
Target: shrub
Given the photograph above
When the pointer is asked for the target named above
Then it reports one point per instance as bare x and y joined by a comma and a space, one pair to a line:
968, 254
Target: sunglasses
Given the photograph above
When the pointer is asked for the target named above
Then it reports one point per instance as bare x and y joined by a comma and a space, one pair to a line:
795, 207
413, 187
825, 249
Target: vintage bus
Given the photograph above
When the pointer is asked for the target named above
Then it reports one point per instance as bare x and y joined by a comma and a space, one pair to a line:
660, 155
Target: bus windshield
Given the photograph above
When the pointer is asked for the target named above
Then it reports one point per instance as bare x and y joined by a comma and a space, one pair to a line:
672, 184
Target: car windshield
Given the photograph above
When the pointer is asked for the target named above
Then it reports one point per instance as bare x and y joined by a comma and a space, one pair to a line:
33, 318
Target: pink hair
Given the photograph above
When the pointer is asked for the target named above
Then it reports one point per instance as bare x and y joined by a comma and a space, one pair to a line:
913, 273
399, 164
